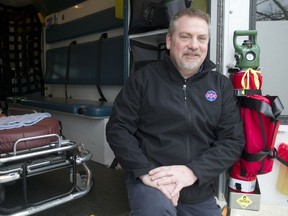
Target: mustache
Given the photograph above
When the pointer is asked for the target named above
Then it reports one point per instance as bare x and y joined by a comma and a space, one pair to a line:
192, 53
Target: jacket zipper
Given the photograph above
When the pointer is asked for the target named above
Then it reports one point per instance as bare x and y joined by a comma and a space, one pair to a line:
184, 90
189, 118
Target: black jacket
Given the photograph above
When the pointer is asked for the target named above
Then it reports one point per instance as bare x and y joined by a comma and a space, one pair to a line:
159, 118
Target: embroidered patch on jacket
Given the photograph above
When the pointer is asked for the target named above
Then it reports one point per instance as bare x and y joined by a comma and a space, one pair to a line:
211, 95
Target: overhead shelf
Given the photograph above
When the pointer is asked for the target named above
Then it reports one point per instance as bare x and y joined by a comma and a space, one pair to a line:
153, 38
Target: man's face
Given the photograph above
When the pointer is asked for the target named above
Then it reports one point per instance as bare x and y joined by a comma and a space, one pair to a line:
188, 45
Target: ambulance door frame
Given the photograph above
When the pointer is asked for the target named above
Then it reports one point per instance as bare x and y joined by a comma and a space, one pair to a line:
222, 50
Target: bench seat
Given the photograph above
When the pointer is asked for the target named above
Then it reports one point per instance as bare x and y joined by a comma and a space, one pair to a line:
74, 106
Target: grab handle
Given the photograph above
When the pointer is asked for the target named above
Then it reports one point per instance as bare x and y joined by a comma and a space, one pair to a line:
32, 138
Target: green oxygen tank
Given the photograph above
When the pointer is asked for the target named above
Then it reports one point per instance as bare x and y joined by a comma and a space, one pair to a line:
247, 54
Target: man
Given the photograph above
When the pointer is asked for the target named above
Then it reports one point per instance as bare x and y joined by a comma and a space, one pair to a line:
175, 126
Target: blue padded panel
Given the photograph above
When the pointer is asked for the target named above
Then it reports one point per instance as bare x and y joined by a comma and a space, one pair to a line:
98, 110
84, 63
57, 104
112, 62
56, 65
98, 22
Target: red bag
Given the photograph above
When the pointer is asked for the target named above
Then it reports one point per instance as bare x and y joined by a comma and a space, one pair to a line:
259, 114
249, 79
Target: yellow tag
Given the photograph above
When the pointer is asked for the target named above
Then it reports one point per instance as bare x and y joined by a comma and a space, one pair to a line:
244, 201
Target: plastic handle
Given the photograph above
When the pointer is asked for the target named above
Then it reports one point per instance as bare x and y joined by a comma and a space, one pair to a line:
244, 33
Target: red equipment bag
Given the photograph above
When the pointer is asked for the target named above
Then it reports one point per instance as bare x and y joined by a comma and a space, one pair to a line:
259, 114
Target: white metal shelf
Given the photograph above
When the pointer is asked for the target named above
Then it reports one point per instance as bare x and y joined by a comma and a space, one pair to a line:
152, 37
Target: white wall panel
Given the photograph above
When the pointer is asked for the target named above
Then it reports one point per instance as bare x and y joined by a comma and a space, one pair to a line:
272, 39
236, 17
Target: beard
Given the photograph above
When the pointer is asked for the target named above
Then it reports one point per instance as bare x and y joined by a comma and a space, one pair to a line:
190, 66
187, 66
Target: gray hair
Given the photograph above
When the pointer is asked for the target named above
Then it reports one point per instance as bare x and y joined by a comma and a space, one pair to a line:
191, 12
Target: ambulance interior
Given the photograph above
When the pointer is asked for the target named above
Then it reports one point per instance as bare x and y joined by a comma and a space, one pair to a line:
69, 59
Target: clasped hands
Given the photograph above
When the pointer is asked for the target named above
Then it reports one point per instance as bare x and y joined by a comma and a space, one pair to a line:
170, 180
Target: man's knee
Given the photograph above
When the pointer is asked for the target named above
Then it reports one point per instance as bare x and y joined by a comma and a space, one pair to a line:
150, 201
148, 207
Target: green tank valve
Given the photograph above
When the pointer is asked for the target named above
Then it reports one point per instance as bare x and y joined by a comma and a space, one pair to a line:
247, 54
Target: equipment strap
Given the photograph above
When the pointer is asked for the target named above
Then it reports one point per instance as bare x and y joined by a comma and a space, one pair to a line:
99, 51
272, 153
67, 75
272, 111
245, 81
282, 161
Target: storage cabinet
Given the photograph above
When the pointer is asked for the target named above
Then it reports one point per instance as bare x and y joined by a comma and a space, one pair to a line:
149, 45
141, 47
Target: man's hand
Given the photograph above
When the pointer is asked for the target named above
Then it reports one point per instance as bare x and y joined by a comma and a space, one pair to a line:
179, 175
170, 180
165, 189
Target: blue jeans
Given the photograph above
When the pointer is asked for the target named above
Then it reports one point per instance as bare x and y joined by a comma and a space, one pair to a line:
148, 201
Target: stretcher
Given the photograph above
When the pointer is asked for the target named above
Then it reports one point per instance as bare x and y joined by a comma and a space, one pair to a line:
40, 149
73, 114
